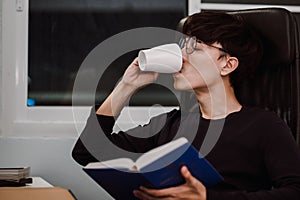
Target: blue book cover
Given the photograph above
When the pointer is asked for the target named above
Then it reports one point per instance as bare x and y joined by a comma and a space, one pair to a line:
158, 168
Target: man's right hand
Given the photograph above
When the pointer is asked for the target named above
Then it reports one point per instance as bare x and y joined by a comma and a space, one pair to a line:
136, 78
132, 80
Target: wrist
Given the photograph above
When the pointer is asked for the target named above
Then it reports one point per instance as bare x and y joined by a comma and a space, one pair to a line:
114, 103
126, 88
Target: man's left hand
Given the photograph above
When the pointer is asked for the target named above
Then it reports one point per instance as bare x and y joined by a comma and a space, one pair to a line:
191, 189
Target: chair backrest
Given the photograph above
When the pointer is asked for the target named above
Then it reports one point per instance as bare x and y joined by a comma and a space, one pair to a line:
276, 83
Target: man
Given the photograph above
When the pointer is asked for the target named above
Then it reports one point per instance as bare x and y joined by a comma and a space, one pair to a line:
218, 51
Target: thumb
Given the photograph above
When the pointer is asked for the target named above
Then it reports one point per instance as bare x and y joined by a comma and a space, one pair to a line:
187, 175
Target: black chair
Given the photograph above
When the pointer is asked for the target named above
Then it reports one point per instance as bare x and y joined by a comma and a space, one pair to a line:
276, 84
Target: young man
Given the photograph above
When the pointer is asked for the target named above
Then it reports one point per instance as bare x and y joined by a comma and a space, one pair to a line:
255, 152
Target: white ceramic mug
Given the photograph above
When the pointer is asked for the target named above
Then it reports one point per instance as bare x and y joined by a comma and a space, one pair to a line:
163, 59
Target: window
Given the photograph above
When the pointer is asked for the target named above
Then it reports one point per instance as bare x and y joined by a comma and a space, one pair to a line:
62, 33
36, 33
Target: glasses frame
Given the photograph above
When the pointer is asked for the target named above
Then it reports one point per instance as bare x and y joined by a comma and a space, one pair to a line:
185, 40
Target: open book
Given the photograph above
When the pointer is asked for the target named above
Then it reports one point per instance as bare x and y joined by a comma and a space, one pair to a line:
157, 168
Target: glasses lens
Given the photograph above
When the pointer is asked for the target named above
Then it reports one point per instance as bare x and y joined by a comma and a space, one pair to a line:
181, 42
190, 45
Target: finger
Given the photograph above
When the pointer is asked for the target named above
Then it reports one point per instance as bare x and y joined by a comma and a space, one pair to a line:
188, 176
156, 75
160, 192
144, 196
135, 61
141, 195
134, 64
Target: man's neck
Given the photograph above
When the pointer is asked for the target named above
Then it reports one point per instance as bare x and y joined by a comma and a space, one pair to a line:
217, 102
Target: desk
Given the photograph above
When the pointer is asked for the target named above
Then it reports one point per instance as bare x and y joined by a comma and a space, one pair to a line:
39, 189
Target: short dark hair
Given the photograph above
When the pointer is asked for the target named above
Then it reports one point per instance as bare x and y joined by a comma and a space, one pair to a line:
233, 34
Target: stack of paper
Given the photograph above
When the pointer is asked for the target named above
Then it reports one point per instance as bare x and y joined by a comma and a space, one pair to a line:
14, 176
14, 173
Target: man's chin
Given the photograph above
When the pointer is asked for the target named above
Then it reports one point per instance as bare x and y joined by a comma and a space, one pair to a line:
182, 88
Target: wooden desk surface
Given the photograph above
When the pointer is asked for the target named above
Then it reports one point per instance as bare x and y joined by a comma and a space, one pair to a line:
39, 189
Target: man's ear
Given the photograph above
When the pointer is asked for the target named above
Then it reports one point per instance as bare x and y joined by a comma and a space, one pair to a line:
231, 64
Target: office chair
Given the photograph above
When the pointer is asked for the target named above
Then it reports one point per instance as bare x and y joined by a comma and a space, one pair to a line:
275, 85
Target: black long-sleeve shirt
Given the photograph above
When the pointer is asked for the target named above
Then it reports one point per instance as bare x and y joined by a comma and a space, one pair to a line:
255, 152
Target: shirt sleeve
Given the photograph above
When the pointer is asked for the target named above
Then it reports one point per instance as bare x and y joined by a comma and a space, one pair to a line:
97, 140
282, 163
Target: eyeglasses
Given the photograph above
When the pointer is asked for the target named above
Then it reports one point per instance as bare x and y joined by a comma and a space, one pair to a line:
190, 44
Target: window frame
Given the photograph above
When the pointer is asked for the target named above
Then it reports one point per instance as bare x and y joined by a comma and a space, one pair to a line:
244, 6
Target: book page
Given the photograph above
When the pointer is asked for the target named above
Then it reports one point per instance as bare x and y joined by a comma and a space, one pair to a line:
116, 163
159, 152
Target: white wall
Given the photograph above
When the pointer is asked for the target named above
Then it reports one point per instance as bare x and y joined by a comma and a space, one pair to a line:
49, 158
